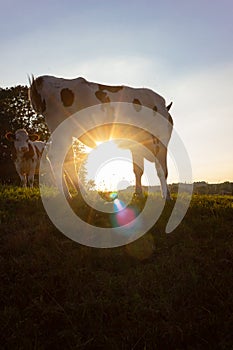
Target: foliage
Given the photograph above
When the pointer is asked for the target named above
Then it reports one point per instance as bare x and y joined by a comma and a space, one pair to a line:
79, 158
161, 292
203, 187
17, 113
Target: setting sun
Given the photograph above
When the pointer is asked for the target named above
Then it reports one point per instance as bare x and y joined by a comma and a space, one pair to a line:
112, 169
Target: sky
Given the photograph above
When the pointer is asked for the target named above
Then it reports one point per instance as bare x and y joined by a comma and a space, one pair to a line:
181, 49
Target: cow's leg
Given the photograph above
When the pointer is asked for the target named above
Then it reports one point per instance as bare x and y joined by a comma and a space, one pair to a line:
23, 180
71, 171
31, 176
31, 173
138, 168
30, 180
22, 175
69, 177
55, 168
71, 174
161, 167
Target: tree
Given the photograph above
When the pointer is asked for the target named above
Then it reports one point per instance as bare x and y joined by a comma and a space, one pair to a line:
16, 112
80, 159
91, 185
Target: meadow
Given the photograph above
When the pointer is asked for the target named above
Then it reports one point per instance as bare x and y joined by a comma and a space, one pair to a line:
163, 291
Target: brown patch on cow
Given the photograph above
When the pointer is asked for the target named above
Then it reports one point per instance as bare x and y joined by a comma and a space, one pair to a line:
38, 104
156, 145
110, 88
155, 109
67, 97
137, 104
102, 96
30, 154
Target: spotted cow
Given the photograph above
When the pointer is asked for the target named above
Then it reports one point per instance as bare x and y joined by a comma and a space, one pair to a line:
27, 151
57, 99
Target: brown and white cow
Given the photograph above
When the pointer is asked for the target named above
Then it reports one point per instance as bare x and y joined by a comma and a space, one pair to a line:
27, 151
57, 99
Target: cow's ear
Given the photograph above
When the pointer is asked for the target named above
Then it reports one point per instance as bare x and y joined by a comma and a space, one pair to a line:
34, 137
10, 136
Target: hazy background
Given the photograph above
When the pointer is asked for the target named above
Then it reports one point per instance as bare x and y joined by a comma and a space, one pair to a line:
181, 49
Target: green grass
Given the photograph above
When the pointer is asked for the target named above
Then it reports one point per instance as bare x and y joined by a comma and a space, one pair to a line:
161, 292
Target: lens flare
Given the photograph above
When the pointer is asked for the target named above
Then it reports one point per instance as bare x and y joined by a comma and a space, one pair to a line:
118, 205
123, 215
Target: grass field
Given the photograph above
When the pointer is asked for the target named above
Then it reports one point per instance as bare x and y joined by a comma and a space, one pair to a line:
160, 292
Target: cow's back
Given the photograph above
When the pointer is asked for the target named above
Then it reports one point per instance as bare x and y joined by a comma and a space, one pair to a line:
58, 98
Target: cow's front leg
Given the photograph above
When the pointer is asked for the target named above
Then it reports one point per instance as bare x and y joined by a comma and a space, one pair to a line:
71, 174
71, 170
23, 180
21, 172
30, 180
31, 174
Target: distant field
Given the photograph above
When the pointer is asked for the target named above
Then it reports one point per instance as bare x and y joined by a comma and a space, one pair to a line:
160, 292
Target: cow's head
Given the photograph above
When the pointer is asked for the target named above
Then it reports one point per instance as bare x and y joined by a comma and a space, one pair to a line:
21, 140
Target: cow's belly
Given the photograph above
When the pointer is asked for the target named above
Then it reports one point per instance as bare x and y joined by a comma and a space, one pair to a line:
127, 134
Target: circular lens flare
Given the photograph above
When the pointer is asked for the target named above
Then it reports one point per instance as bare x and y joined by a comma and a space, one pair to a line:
123, 215
118, 205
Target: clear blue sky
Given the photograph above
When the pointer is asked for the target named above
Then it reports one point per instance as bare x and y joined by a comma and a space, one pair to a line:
181, 49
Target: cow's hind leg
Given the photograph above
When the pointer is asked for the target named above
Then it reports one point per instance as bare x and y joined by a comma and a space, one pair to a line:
31, 173
161, 168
